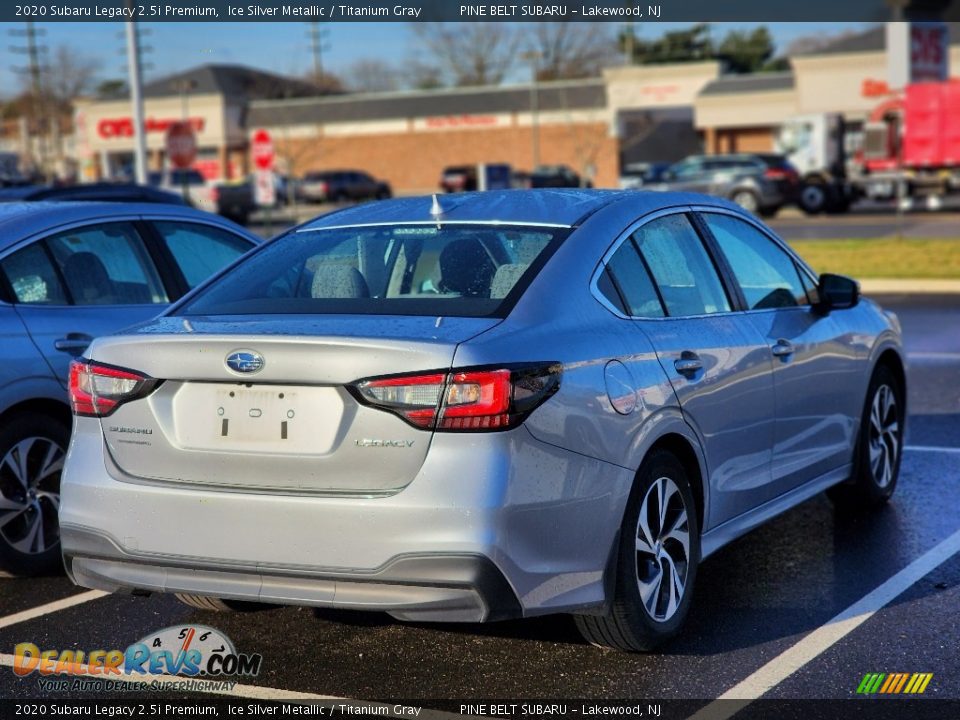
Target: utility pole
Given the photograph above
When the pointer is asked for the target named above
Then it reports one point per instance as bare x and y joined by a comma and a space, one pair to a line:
136, 99
38, 107
534, 58
317, 35
628, 43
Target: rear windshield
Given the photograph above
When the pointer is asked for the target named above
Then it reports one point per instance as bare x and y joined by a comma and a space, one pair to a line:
453, 270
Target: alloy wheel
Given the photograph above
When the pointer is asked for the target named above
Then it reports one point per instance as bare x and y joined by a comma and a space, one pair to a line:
30, 495
663, 549
747, 200
884, 435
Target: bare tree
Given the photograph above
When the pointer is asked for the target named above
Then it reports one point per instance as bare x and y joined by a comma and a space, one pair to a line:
370, 75
470, 53
571, 50
807, 44
69, 74
325, 84
418, 75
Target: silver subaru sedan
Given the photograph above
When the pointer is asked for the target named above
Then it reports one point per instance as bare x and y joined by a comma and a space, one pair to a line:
479, 407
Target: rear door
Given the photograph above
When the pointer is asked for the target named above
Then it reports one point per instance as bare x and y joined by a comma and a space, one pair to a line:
78, 284
718, 365
817, 373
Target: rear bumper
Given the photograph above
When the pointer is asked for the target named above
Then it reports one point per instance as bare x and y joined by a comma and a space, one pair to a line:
452, 588
494, 525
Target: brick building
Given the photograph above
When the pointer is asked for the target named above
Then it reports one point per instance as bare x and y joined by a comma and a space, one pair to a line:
654, 113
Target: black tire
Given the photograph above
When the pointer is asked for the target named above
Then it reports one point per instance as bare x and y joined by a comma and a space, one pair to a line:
221, 605
815, 197
629, 624
30, 541
874, 479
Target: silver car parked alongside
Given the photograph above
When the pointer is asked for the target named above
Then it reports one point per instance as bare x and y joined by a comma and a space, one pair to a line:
479, 407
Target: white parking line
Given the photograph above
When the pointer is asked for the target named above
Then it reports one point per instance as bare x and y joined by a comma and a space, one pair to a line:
928, 448
51, 607
825, 636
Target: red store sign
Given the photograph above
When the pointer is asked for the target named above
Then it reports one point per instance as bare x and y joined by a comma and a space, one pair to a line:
110, 128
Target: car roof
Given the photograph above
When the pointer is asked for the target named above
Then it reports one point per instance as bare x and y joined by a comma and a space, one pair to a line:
560, 207
19, 220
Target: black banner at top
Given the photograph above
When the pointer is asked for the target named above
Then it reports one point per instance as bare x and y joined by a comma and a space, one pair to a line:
477, 10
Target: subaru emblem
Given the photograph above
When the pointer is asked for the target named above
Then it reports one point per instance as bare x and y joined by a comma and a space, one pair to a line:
245, 361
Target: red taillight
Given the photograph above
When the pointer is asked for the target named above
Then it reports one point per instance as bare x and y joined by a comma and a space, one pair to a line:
781, 174
464, 400
215, 194
97, 390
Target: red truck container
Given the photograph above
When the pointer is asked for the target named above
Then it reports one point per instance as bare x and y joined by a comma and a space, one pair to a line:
931, 133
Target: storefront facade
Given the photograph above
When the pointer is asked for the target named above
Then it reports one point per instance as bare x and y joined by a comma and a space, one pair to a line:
595, 126
212, 98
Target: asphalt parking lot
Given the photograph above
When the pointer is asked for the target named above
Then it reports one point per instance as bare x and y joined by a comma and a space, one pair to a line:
760, 624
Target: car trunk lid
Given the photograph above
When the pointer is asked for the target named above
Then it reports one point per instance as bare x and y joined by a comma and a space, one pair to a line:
290, 425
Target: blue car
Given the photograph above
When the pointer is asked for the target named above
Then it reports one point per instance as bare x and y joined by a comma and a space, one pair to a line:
70, 272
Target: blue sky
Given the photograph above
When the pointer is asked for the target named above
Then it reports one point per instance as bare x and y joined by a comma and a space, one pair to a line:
280, 47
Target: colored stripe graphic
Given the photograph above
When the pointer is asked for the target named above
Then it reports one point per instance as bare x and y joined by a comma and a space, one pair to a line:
894, 683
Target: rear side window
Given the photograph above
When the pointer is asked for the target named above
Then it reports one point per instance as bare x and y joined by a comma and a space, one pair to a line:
455, 270
630, 278
106, 265
32, 277
682, 269
200, 250
766, 274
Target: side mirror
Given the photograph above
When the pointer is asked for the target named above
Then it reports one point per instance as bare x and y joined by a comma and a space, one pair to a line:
837, 292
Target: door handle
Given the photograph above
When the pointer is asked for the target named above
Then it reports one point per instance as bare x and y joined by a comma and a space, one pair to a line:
73, 343
688, 363
783, 349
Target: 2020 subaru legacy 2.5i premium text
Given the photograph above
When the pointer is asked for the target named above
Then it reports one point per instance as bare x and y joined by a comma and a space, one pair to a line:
487, 406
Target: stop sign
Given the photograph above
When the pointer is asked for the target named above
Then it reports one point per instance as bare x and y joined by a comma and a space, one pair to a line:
181, 144
261, 147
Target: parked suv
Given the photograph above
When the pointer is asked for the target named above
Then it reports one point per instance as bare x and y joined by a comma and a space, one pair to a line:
459, 178
760, 183
556, 176
340, 185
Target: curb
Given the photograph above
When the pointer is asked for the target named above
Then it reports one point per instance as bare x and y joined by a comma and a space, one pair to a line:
910, 287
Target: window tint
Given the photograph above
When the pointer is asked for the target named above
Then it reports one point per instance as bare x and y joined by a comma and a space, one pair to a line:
606, 288
32, 277
106, 265
633, 281
766, 274
455, 270
200, 250
681, 267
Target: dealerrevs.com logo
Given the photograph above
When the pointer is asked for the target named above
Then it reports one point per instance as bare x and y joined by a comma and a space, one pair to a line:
185, 651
